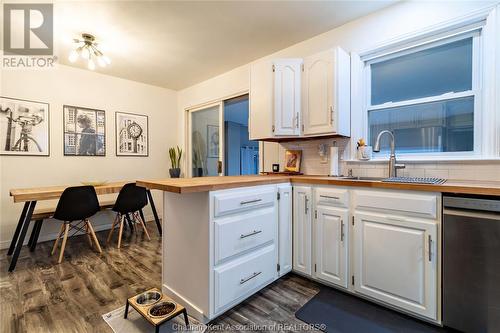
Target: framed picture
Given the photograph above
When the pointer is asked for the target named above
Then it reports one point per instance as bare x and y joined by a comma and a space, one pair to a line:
84, 131
24, 127
212, 141
132, 134
292, 160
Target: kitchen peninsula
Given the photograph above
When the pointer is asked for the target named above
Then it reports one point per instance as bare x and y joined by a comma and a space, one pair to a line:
226, 238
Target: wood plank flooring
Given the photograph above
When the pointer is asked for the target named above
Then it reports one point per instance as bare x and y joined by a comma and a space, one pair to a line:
42, 296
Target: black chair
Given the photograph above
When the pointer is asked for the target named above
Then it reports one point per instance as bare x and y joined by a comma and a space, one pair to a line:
76, 204
131, 200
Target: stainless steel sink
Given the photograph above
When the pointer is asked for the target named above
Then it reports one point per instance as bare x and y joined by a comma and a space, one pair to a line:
373, 179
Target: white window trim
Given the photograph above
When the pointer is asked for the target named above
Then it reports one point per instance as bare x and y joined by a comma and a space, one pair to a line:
487, 138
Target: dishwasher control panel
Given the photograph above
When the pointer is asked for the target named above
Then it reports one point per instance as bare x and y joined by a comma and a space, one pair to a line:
490, 205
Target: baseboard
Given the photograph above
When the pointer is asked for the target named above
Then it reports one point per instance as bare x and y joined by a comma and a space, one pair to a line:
192, 309
53, 235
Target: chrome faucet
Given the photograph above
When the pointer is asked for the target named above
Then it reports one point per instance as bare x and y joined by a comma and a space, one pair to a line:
393, 166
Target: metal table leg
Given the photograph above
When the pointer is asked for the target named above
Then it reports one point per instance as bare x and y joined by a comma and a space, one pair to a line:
151, 202
18, 228
38, 226
20, 241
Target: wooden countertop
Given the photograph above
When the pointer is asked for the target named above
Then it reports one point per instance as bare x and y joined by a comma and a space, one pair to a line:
203, 184
54, 192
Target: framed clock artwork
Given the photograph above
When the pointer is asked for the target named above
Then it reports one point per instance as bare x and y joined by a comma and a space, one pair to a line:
132, 134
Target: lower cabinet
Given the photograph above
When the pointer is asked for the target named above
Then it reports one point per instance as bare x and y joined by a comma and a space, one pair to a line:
395, 261
285, 240
302, 204
331, 245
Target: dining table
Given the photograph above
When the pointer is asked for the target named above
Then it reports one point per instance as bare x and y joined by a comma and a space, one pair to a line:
30, 197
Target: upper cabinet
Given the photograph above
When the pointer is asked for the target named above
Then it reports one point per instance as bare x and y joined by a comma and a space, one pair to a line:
326, 93
275, 98
287, 96
301, 97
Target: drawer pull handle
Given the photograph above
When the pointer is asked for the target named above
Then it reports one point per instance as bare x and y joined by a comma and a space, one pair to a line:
341, 231
329, 197
255, 232
250, 201
255, 274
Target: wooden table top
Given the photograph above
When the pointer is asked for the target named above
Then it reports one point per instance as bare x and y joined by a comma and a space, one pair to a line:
54, 192
204, 184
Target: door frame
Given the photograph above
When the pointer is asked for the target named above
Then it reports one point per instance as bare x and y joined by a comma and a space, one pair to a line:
188, 137
189, 113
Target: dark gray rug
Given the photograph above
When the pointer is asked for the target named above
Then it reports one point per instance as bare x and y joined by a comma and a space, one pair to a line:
344, 313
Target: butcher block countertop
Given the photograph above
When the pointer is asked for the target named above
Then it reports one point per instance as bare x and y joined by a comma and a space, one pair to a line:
204, 184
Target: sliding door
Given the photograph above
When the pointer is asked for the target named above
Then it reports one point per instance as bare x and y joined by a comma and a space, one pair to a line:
205, 141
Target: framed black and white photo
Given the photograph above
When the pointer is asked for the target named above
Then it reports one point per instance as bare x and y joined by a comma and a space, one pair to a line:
84, 131
132, 134
212, 141
24, 127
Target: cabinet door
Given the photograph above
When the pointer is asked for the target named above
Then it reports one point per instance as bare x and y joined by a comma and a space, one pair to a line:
285, 229
396, 262
331, 244
318, 91
260, 123
302, 229
287, 96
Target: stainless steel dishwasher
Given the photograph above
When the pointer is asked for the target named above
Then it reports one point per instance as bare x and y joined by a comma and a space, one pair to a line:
471, 263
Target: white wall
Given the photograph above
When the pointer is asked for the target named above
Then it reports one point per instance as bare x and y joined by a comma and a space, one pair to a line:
356, 36
67, 85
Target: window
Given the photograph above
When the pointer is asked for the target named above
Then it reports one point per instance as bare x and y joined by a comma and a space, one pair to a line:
427, 95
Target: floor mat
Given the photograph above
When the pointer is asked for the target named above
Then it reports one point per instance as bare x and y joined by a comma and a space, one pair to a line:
343, 313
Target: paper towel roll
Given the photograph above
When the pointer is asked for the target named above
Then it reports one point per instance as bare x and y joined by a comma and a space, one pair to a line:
334, 161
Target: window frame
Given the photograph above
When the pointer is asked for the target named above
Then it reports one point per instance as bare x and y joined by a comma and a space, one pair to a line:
475, 32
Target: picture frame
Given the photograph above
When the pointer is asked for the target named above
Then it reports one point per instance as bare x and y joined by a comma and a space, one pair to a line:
213, 141
24, 127
84, 131
131, 134
292, 160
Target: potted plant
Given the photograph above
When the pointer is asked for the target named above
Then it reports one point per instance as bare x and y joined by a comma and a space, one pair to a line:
175, 161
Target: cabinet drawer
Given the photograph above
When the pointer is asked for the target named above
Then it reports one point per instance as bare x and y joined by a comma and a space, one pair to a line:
229, 202
237, 234
397, 203
242, 277
324, 196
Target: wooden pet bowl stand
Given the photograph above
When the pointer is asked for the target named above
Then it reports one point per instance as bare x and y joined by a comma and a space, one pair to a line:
153, 320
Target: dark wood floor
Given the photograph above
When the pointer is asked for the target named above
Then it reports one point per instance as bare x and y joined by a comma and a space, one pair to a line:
42, 296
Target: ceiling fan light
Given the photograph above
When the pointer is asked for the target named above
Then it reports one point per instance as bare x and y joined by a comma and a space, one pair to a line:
106, 60
73, 56
101, 62
86, 53
91, 65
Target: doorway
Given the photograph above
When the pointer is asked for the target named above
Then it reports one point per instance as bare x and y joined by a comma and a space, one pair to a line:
241, 156
218, 140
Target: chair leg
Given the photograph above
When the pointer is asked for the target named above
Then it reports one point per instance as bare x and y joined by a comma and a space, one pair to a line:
56, 242
122, 221
143, 226
88, 235
112, 228
63, 245
96, 241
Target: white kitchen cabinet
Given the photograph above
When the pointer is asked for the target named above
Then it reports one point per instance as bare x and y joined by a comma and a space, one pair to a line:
302, 229
287, 96
285, 229
331, 245
275, 98
395, 261
326, 106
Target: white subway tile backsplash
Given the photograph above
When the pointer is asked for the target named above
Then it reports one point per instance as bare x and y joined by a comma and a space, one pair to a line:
460, 170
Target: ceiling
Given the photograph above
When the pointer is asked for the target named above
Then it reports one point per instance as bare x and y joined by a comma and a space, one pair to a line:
177, 44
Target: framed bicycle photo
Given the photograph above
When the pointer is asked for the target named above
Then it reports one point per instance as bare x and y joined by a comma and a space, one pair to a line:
24, 127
